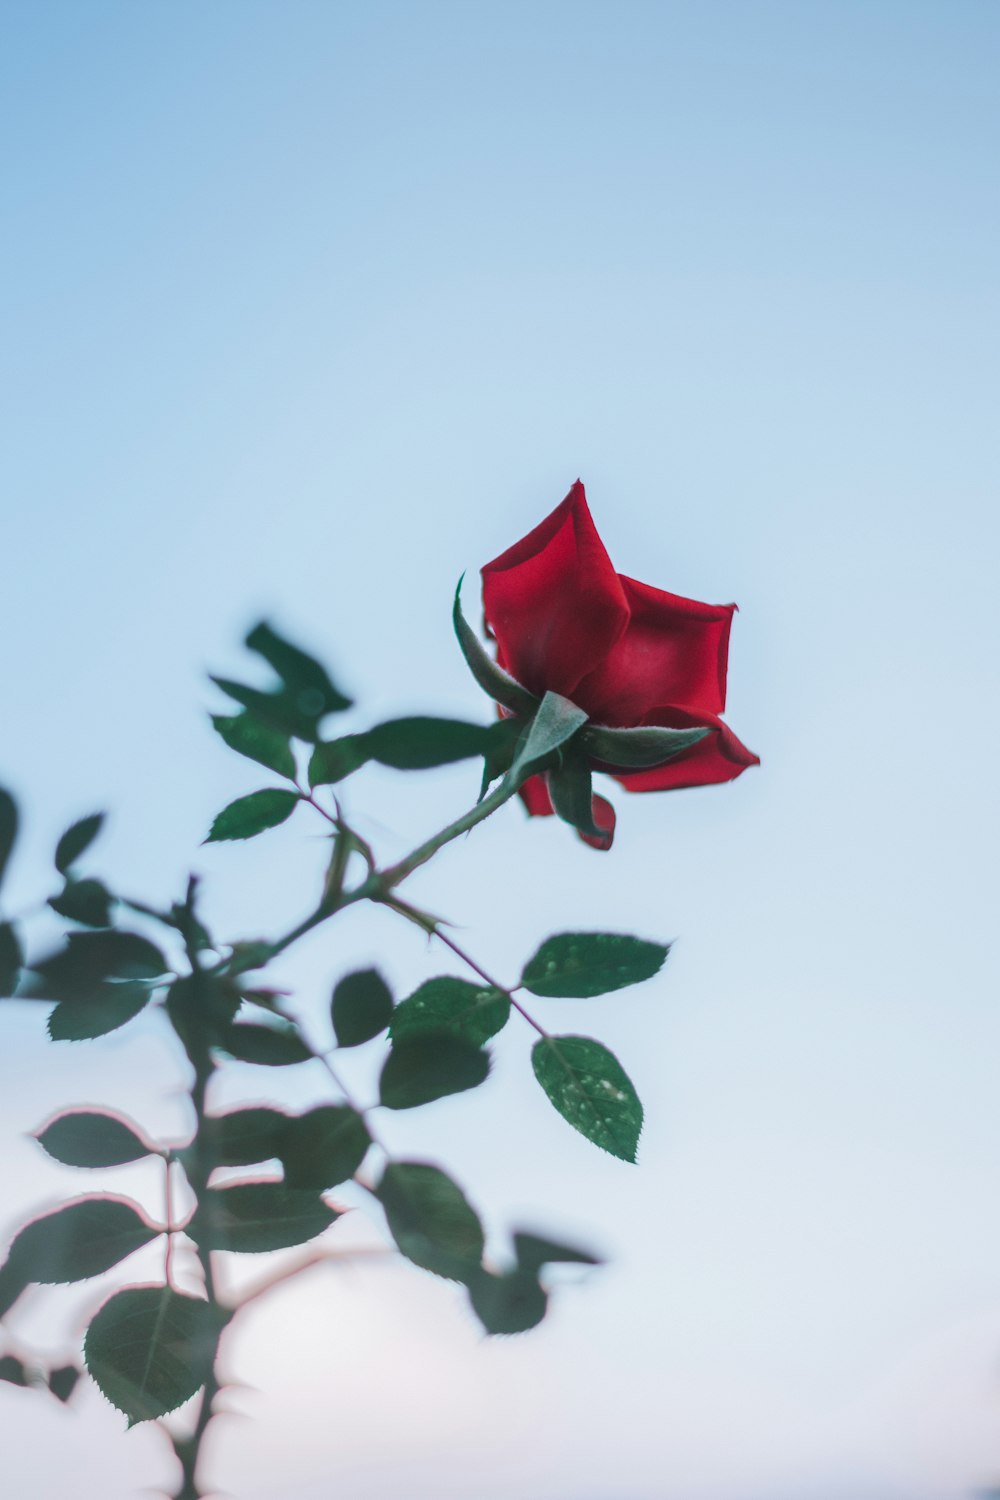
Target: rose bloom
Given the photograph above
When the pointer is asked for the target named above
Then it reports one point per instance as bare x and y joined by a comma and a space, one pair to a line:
628, 654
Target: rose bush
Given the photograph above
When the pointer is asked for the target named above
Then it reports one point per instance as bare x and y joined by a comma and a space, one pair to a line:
647, 667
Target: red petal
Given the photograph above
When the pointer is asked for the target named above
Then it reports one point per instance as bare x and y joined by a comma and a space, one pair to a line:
718, 757
604, 816
674, 650
554, 602
535, 796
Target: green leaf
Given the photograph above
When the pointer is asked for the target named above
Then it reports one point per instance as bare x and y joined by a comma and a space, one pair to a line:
332, 760
92, 1138
306, 694
8, 828
509, 1303
73, 1243
361, 1007
248, 736
102, 980
62, 1382
421, 1069
492, 678
582, 964
80, 970
571, 789
246, 1136
533, 1252
76, 840
324, 1147
469, 1011
274, 1046
84, 901
107, 1009
300, 673
590, 1088
150, 1349
278, 710
553, 726
11, 958
13, 1371
252, 1217
431, 1220
637, 748
250, 815
415, 744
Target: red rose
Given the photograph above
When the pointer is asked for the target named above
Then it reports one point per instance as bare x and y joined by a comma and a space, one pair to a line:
632, 657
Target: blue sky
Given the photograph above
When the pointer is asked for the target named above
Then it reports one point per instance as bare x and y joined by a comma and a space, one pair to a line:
308, 308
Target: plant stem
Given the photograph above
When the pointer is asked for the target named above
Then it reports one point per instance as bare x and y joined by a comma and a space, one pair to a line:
379, 884
500, 794
198, 1165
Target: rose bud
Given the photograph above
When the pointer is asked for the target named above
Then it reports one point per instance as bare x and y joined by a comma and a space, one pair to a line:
647, 668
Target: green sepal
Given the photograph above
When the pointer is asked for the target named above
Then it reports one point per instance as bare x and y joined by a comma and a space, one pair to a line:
638, 749
571, 790
492, 678
504, 738
552, 728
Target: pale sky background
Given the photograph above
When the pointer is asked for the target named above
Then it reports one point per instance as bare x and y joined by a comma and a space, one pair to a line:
308, 308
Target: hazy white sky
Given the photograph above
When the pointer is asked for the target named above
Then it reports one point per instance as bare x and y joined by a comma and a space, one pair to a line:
311, 306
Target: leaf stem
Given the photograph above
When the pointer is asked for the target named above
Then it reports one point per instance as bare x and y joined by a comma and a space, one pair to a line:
168, 1210
476, 968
